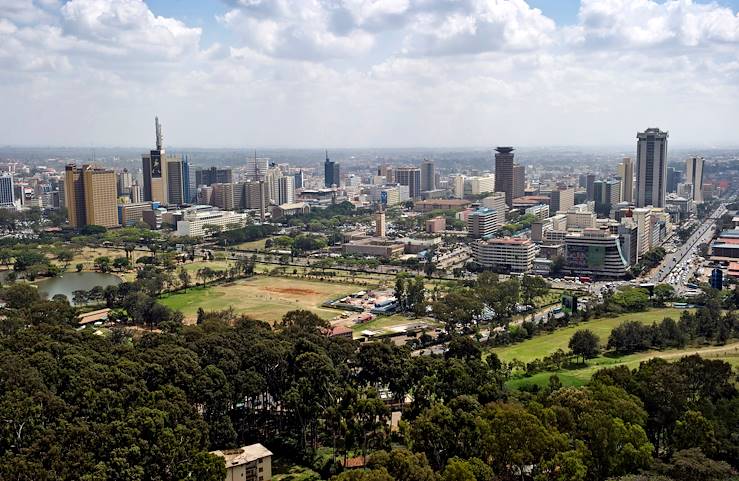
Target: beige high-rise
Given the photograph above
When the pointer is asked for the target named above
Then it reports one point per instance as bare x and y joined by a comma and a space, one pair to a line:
626, 172
91, 196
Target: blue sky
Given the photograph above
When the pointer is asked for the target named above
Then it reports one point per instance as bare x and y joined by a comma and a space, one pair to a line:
368, 73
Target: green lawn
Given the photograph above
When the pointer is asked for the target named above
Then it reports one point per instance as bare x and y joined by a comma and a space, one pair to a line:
544, 344
261, 297
383, 323
577, 377
252, 245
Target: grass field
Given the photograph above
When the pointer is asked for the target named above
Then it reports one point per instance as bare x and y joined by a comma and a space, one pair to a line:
544, 344
578, 377
383, 323
257, 244
265, 298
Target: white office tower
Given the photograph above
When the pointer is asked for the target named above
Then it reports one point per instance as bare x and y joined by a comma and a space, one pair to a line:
651, 168
286, 190
694, 176
626, 172
256, 167
457, 182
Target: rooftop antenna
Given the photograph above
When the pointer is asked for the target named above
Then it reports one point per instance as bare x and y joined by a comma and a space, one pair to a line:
158, 128
327, 155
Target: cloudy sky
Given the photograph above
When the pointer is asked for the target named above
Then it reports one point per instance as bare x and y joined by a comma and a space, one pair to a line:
368, 73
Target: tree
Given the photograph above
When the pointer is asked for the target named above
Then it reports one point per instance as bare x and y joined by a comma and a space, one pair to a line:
458, 306
102, 263
693, 465
585, 344
184, 278
533, 287
121, 263
517, 439
458, 470
19, 296
65, 256
663, 293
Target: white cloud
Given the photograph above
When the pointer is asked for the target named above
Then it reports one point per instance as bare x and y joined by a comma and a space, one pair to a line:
646, 23
364, 72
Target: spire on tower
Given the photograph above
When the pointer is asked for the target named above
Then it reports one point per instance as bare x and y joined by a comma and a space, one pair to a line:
327, 155
158, 128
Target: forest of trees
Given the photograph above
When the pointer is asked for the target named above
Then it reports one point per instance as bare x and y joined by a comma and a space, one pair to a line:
150, 406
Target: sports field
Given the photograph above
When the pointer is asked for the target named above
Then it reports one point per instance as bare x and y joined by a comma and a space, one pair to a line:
261, 297
545, 344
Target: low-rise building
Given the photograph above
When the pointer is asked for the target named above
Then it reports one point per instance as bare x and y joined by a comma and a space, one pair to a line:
375, 247
249, 463
132, 214
193, 223
507, 254
436, 225
440, 204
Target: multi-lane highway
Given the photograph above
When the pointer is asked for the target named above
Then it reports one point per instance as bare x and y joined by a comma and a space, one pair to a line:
676, 267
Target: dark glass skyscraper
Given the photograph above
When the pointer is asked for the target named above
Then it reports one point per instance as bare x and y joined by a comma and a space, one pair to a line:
504, 172
651, 168
331, 173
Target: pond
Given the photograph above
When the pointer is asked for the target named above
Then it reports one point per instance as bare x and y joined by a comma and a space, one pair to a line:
75, 281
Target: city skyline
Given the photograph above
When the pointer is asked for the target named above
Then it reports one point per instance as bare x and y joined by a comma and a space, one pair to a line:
341, 74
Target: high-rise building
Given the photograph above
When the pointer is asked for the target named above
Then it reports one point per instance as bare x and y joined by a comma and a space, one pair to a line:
214, 175
694, 176
607, 194
286, 190
91, 196
590, 187
626, 172
674, 179
595, 252
506, 254
651, 168
496, 202
154, 166
410, 176
380, 226
388, 172
504, 173
299, 179
137, 193
331, 173
561, 199
178, 181
7, 195
482, 223
256, 167
124, 181
519, 180
428, 175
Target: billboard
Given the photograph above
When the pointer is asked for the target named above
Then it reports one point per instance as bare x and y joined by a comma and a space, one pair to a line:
583, 256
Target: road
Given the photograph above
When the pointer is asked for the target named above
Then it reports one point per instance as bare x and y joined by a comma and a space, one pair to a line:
676, 267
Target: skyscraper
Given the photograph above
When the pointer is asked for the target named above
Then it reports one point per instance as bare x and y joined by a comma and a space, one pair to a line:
124, 180
331, 173
674, 178
428, 175
519, 180
154, 165
651, 168
626, 172
590, 187
178, 181
504, 173
214, 175
694, 176
286, 190
410, 176
90, 196
256, 167
7, 196
607, 195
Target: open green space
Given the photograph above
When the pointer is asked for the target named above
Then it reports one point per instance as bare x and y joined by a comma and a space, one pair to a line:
384, 323
252, 245
577, 377
264, 298
546, 343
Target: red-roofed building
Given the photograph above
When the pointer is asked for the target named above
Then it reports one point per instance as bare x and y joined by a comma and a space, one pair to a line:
341, 331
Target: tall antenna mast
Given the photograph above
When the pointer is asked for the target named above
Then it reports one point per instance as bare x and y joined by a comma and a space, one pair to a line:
158, 128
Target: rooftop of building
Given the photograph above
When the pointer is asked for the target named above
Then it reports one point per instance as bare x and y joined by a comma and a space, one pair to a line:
243, 455
457, 202
509, 241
